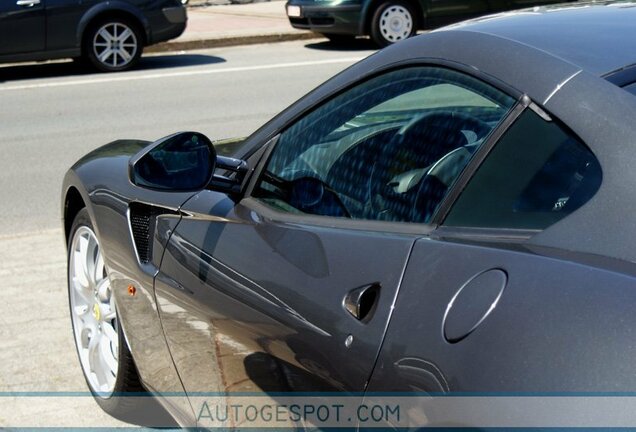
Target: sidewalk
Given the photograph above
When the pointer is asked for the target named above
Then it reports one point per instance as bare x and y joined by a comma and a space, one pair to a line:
214, 23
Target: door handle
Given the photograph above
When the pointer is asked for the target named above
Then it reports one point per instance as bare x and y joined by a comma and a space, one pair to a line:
360, 302
27, 3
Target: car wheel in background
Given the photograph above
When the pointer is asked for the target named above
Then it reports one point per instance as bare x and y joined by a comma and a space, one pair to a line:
103, 353
113, 45
392, 22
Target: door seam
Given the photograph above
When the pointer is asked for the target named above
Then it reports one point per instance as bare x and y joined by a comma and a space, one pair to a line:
159, 313
391, 310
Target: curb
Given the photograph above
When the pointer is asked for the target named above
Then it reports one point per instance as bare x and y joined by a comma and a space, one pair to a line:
230, 41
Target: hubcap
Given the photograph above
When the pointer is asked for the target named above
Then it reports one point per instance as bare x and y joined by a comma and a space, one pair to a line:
115, 44
93, 312
396, 23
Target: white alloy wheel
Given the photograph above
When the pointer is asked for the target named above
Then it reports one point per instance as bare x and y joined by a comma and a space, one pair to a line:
93, 312
115, 45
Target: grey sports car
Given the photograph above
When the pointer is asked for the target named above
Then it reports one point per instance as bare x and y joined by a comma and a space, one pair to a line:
453, 214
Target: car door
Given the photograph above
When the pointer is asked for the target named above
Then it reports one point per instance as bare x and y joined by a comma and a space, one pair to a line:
290, 288
483, 310
63, 19
22, 26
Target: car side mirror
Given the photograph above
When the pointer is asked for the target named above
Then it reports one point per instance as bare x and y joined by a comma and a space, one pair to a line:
181, 162
185, 162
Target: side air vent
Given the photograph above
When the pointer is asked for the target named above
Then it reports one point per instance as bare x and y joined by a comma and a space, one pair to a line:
140, 218
143, 222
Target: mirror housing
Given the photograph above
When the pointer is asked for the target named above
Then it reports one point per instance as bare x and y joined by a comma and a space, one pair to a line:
228, 184
185, 162
181, 162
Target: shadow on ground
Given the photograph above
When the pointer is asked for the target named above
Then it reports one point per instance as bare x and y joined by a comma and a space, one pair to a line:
73, 68
149, 413
360, 44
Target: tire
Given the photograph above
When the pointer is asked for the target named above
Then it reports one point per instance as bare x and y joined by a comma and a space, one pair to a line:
90, 324
339, 39
392, 22
119, 36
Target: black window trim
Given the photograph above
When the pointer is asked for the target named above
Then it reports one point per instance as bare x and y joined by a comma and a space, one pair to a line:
490, 235
268, 212
273, 215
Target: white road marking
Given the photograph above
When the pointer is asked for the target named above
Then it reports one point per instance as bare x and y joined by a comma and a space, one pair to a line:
177, 74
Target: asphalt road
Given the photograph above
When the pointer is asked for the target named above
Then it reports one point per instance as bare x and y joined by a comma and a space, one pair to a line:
50, 115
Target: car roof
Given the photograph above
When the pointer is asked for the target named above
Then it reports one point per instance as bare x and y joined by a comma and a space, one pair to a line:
584, 34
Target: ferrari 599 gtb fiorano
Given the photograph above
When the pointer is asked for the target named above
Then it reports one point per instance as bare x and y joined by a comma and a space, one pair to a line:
450, 215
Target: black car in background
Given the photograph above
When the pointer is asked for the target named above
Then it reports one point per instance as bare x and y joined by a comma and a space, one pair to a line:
389, 21
111, 35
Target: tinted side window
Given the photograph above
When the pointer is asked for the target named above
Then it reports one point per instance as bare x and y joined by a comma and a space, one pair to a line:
387, 149
537, 174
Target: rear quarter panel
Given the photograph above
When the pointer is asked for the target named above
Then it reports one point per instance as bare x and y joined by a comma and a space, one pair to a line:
560, 326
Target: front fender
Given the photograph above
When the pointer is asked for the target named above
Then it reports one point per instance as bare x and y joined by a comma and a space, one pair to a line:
109, 7
102, 180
